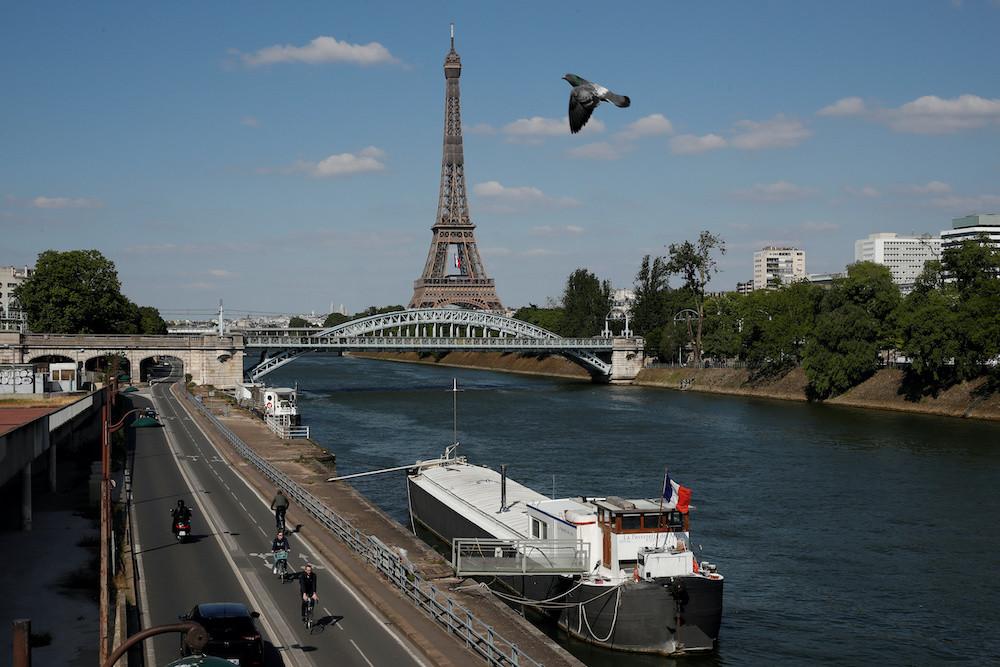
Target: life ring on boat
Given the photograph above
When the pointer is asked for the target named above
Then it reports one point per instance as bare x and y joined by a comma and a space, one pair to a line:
269, 405
695, 560
636, 575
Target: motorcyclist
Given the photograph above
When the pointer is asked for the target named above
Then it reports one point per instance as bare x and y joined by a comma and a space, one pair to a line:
180, 514
280, 543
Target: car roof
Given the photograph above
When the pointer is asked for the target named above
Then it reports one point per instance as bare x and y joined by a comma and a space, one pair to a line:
222, 610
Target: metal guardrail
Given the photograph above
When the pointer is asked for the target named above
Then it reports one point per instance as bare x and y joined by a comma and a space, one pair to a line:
478, 636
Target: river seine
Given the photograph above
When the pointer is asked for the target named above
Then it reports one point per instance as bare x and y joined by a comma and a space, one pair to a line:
846, 536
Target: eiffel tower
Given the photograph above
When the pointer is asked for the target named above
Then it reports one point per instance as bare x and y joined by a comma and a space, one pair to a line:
467, 285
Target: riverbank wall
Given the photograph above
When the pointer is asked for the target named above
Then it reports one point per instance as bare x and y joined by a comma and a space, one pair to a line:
883, 391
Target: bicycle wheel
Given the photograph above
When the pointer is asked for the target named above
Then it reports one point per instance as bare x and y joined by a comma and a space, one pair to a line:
283, 572
309, 614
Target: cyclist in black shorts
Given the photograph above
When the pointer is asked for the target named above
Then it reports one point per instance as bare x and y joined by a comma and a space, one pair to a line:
307, 585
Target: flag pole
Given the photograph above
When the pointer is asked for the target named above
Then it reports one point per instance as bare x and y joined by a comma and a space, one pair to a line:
663, 492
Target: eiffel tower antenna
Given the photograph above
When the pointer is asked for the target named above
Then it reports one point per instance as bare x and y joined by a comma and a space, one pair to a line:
462, 282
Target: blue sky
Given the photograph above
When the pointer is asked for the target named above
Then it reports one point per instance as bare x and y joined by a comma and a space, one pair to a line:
286, 156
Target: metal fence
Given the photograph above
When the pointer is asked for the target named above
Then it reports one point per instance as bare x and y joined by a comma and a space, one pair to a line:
456, 619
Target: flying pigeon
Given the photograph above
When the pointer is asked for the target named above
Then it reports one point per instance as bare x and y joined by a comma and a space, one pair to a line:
584, 97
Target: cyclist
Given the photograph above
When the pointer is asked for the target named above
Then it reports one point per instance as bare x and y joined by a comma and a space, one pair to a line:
280, 543
280, 506
307, 585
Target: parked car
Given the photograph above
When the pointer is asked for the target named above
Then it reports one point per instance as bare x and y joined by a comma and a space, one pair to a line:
233, 634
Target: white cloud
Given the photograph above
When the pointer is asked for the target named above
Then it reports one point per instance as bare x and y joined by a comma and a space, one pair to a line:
533, 131
599, 151
320, 51
689, 144
655, 125
63, 203
222, 273
779, 132
345, 164
562, 231
958, 206
825, 226
932, 115
773, 193
849, 106
932, 188
481, 128
929, 114
249, 121
866, 192
494, 192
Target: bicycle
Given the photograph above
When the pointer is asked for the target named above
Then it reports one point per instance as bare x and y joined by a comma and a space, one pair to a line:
279, 519
308, 619
281, 564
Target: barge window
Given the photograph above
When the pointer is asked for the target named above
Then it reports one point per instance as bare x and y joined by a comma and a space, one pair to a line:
631, 521
539, 530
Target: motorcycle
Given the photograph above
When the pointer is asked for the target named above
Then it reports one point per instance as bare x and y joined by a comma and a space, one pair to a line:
182, 528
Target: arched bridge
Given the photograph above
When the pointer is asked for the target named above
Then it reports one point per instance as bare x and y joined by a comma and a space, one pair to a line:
446, 330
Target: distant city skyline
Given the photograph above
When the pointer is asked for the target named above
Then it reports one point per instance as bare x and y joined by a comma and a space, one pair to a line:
285, 157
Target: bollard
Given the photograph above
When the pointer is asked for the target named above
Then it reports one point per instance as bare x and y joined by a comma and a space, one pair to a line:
22, 642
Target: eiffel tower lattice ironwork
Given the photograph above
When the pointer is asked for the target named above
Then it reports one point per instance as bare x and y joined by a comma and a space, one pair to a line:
454, 236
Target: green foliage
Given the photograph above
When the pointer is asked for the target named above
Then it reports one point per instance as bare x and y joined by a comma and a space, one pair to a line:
334, 319
78, 292
299, 323
372, 310
150, 322
586, 302
774, 325
852, 327
550, 319
694, 263
652, 289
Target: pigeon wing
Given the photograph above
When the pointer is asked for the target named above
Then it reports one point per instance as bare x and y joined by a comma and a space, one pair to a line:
581, 105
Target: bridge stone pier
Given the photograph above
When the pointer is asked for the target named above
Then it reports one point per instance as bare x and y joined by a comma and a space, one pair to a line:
208, 358
627, 358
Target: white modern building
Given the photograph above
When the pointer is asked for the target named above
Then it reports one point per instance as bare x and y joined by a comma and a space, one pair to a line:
969, 227
903, 255
778, 265
11, 315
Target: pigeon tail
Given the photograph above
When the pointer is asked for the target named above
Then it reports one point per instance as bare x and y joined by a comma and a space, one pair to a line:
618, 100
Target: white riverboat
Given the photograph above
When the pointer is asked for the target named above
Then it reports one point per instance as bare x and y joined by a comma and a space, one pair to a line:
611, 571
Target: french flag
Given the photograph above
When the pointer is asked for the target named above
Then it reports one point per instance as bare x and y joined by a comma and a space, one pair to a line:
458, 262
675, 493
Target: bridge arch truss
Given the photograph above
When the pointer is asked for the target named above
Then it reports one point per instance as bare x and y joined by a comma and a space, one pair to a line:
428, 330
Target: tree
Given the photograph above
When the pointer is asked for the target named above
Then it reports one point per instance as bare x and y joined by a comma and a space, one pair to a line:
695, 264
972, 271
652, 284
77, 292
852, 327
150, 322
334, 319
297, 322
550, 319
586, 302
776, 323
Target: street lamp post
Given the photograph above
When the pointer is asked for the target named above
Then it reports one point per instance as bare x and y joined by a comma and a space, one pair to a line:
106, 485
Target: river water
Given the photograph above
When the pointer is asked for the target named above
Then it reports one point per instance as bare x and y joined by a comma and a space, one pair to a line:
847, 536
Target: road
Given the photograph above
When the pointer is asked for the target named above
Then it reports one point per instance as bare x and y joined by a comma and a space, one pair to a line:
228, 557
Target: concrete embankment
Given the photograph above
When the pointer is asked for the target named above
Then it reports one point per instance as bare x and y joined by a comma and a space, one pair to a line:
883, 391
